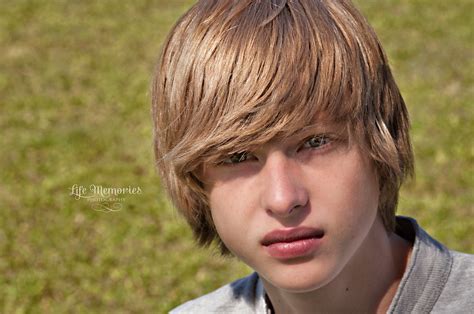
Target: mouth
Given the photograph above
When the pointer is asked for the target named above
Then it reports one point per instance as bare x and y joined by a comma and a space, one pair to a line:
291, 235
292, 243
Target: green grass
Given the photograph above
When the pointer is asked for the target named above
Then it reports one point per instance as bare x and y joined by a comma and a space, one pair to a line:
74, 109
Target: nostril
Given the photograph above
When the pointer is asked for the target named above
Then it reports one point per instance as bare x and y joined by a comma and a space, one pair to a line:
285, 211
294, 208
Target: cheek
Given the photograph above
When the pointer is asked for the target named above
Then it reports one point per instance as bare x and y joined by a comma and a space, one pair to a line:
366, 188
231, 211
361, 208
349, 196
361, 192
219, 207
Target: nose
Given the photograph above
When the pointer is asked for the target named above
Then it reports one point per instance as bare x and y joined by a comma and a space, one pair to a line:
283, 188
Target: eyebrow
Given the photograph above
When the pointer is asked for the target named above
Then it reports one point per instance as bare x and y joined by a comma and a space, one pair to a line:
306, 131
314, 128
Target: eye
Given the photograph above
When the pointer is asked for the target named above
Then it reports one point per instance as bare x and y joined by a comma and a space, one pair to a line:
317, 141
236, 158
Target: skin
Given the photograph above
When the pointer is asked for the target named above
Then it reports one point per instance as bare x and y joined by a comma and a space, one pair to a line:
312, 179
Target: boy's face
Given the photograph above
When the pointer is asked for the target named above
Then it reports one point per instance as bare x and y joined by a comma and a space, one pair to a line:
299, 210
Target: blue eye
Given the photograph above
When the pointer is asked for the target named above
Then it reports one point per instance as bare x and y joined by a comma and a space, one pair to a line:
236, 158
316, 141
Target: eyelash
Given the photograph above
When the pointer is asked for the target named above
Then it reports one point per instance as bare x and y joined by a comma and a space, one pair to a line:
235, 158
323, 141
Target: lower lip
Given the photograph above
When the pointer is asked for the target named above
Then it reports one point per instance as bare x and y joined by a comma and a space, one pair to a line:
287, 250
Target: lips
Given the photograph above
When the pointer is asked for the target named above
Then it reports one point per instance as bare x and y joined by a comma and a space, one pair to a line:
291, 235
292, 243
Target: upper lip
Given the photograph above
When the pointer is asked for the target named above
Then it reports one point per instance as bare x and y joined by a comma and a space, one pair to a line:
290, 235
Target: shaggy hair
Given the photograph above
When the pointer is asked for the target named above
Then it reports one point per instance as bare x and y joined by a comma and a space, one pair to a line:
234, 74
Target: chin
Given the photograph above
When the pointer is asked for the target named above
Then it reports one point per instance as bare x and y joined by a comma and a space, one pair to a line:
301, 279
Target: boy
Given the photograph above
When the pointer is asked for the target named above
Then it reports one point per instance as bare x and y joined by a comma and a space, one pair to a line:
281, 135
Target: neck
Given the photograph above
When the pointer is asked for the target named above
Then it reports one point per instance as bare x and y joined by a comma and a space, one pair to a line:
367, 284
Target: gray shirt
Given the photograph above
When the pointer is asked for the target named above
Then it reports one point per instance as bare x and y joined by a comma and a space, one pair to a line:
436, 280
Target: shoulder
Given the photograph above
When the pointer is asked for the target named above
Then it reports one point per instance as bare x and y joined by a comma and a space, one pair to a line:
241, 296
437, 280
458, 292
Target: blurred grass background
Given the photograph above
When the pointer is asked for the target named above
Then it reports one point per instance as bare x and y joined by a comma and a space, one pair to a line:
74, 109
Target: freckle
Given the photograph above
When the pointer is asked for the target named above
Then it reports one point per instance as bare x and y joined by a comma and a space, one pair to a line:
347, 289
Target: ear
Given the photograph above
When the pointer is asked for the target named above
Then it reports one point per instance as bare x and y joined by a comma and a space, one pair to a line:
198, 175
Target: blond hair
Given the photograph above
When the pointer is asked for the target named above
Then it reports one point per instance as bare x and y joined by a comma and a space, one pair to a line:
235, 74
